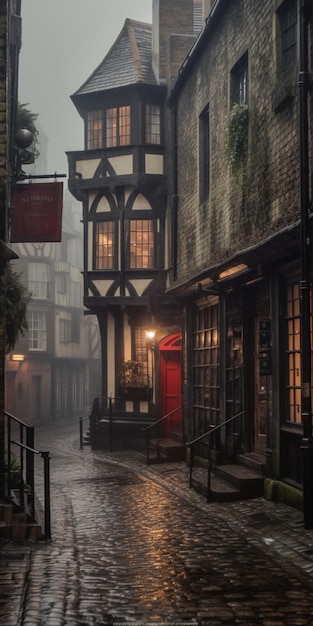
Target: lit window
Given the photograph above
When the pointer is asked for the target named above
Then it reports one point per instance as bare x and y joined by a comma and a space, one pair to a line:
37, 330
118, 126
204, 156
153, 124
287, 33
105, 236
39, 280
141, 244
94, 130
293, 353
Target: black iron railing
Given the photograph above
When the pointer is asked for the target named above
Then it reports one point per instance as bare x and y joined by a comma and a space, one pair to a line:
205, 440
156, 430
19, 484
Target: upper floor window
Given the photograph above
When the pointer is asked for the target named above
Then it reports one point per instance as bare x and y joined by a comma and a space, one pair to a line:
153, 123
94, 130
141, 254
118, 126
37, 330
239, 81
39, 280
105, 245
287, 33
204, 155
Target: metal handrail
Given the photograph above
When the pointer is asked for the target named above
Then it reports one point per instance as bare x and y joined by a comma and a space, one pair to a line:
148, 428
30, 453
190, 444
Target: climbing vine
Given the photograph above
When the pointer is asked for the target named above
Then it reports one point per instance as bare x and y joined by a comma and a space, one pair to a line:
236, 137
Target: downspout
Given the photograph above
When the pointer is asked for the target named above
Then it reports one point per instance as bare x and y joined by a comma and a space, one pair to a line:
305, 81
175, 191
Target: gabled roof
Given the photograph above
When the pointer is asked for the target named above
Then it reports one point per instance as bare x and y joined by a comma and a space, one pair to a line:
128, 61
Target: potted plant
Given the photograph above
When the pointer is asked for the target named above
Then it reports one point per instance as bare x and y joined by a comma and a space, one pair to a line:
133, 382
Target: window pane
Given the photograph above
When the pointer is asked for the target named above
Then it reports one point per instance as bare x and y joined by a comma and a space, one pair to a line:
39, 281
293, 353
105, 232
153, 123
124, 126
111, 128
37, 330
94, 134
204, 156
287, 15
118, 127
141, 244
239, 81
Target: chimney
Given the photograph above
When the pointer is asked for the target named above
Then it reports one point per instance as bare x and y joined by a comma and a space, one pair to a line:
170, 18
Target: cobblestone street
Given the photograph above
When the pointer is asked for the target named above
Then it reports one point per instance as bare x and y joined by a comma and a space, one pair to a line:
132, 544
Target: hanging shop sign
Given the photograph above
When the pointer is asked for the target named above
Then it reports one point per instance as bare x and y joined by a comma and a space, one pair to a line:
37, 212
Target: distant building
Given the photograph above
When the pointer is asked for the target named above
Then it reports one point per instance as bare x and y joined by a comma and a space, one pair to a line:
53, 371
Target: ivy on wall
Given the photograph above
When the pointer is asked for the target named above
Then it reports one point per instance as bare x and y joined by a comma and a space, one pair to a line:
16, 298
236, 137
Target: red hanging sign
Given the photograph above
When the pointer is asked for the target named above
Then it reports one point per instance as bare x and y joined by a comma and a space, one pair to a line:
37, 212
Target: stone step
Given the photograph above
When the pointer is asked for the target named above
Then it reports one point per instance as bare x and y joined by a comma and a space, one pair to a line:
220, 489
167, 449
247, 481
254, 461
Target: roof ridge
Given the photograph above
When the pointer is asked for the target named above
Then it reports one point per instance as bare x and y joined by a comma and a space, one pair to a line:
134, 49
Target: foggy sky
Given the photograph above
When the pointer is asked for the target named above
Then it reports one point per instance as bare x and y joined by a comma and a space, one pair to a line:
63, 41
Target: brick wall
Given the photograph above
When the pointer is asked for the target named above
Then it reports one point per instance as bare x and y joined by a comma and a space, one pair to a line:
241, 209
169, 17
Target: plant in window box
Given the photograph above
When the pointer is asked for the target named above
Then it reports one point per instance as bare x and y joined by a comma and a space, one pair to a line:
133, 383
236, 137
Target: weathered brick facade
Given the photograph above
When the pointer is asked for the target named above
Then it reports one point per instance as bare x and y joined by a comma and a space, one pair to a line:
241, 210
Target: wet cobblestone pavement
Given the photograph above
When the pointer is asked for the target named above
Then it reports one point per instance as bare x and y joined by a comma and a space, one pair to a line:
134, 545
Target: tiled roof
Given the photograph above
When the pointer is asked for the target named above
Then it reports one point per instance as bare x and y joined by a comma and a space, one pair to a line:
127, 62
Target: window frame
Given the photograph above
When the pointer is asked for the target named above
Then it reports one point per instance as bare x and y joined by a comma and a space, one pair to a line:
287, 50
239, 81
42, 333
152, 124
151, 256
97, 225
40, 280
204, 154
118, 138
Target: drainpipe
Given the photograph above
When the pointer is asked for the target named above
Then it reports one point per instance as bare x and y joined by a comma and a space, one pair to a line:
175, 192
305, 81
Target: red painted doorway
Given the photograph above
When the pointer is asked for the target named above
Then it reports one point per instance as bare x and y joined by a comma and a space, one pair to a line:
170, 380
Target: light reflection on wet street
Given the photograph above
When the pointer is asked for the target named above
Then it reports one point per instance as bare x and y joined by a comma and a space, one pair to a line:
142, 554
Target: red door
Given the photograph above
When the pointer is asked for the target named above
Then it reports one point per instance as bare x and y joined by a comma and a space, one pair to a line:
170, 380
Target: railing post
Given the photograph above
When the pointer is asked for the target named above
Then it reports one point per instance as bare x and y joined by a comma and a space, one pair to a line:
190, 466
46, 460
30, 466
21, 489
110, 425
208, 493
81, 433
148, 447
9, 458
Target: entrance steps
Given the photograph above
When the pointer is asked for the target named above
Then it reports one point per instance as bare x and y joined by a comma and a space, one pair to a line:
17, 526
235, 481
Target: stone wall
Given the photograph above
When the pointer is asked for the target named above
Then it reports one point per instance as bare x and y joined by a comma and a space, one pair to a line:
243, 208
